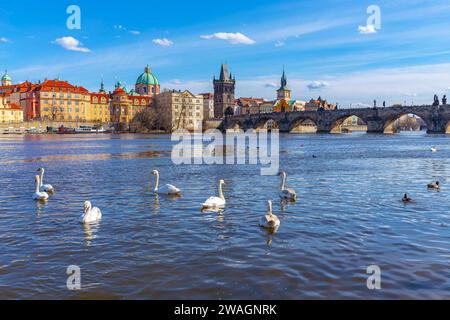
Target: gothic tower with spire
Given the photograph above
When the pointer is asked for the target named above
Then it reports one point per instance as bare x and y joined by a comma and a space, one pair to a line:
283, 92
224, 93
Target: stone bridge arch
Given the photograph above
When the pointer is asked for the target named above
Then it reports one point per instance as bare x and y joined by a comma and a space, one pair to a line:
267, 123
338, 125
390, 121
303, 125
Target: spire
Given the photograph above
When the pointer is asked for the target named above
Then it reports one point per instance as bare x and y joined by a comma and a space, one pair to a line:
147, 69
224, 74
102, 87
283, 80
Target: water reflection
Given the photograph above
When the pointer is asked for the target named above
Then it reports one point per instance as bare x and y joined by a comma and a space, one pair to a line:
90, 232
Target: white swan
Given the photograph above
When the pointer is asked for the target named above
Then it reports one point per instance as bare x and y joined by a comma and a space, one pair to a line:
45, 187
434, 149
269, 221
91, 214
216, 202
167, 189
286, 193
38, 195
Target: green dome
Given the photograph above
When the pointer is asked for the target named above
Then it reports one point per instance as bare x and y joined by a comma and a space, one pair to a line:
6, 77
147, 78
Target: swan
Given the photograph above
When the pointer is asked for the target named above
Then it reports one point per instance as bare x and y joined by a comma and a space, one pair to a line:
39, 195
45, 187
406, 198
435, 185
167, 189
91, 214
216, 202
286, 193
269, 221
434, 149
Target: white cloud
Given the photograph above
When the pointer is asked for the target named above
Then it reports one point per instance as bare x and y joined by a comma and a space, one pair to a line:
318, 85
279, 44
163, 42
233, 38
370, 28
271, 85
410, 94
3, 39
135, 32
361, 105
71, 44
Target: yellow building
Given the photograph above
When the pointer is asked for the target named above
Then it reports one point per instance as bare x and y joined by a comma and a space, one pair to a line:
61, 101
99, 110
10, 112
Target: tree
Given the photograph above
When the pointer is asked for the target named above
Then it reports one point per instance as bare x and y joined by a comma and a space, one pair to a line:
147, 120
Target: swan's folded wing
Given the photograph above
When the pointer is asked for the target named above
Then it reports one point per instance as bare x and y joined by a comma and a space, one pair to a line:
172, 189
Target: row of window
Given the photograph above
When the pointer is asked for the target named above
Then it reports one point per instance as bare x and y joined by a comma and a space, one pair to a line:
61, 95
61, 102
186, 100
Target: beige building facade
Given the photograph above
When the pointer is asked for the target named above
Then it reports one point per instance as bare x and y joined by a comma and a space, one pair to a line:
180, 110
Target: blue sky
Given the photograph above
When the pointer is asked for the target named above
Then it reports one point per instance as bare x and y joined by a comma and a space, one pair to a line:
318, 42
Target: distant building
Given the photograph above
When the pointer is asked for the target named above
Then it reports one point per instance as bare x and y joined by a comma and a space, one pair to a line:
100, 108
283, 93
224, 89
6, 79
9, 112
147, 84
208, 106
249, 105
319, 104
284, 102
125, 106
180, 110
61, 101
267, 107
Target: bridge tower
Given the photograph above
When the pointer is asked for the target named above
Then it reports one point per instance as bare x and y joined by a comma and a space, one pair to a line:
224, 89
283, 93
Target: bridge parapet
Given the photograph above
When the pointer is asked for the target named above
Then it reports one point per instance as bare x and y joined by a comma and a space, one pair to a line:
379, 120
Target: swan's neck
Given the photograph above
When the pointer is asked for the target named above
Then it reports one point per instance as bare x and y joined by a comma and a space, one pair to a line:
37, 184
221, 192
157, 182
283, 182
42, 178
269, 209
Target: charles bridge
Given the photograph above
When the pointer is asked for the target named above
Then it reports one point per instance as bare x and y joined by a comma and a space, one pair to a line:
378, 120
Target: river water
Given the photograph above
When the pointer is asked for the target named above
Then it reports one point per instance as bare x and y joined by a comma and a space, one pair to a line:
348, 216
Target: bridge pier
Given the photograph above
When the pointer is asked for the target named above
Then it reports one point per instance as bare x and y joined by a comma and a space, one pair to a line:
375, 125
437, 125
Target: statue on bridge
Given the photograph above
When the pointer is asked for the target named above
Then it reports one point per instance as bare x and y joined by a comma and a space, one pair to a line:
374, 104
436, 101
444, 100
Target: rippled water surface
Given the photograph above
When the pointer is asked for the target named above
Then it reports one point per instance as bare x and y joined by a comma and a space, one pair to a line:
348, 216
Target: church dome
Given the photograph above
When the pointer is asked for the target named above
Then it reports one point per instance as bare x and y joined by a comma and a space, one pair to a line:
6, 77
147, 78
